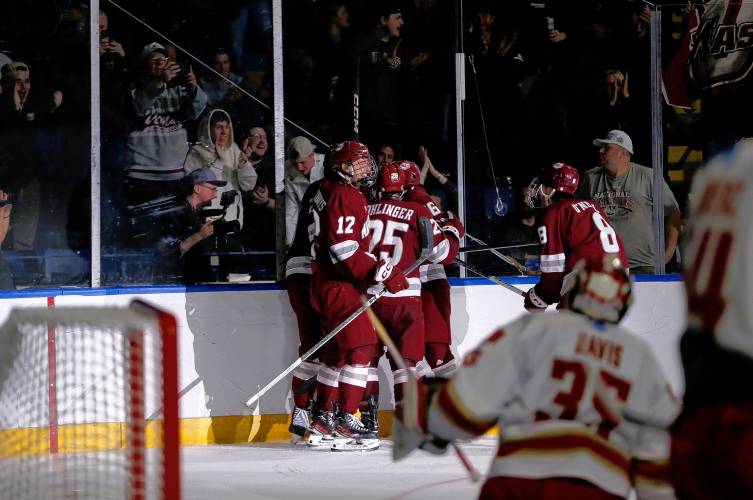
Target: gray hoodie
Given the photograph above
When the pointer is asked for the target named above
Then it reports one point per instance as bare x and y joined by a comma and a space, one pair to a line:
157, 147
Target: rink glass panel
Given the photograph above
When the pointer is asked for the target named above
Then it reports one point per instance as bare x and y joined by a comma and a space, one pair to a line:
536, 109
45, 160
138, 230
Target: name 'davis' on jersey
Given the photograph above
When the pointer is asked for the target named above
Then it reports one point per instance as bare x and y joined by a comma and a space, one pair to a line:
319, 202
391, 211
602, 349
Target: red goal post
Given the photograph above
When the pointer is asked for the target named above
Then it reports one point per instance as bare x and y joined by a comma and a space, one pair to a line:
89, 403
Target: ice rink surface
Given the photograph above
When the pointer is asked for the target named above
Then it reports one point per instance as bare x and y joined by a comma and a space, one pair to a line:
284, 471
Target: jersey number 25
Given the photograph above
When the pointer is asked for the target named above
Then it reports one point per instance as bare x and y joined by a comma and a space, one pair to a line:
387, 234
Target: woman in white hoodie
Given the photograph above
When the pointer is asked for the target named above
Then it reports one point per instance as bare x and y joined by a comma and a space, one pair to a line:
217, 150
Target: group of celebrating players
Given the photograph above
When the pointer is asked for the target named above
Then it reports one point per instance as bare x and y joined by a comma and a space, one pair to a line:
582, 405
358, 230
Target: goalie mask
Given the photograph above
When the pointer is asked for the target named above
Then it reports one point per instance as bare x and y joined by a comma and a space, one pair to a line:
352, 162
603, 290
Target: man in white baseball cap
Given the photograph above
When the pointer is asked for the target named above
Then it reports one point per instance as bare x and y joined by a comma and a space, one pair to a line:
617, 137
624, 190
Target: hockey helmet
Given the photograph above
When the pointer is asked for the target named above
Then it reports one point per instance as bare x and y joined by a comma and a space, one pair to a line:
412, 172
561, 177
391, 179
352, 162
602, 290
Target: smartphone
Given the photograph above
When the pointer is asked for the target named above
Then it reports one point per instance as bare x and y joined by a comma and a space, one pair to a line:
549, 23
180, 78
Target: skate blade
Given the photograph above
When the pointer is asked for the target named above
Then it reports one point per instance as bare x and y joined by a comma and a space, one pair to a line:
319, 441
348, 444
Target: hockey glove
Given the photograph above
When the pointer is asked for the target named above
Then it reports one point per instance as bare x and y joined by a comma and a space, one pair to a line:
534, 303
410, 427
451, 224
392, 277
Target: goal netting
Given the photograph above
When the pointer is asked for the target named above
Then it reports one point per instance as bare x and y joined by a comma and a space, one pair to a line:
88, 403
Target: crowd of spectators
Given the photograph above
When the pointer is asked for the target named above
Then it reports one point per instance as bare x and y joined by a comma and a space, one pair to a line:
543, 80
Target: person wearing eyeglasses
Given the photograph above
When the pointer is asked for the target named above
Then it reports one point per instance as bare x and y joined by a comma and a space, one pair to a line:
175, 229
166, 96
259, 204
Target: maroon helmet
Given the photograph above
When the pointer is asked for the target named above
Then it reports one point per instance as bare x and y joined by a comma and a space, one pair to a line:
412, 172
350, 158
391, 179
602, 290
561, 177
348, 151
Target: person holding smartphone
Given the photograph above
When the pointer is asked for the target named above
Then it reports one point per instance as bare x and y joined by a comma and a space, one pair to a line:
157, 146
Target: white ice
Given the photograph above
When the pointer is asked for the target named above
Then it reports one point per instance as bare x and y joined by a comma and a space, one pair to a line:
284, 471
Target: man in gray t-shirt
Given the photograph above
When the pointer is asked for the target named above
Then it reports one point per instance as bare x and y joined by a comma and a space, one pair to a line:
624, 190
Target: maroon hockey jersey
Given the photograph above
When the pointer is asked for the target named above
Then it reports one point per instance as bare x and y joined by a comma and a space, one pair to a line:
341, 234
395, 237
572, 230
419, 195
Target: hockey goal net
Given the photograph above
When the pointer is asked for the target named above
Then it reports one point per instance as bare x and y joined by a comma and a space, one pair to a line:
88, 403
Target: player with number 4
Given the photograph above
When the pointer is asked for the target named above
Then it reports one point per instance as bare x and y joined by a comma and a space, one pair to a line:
570, 230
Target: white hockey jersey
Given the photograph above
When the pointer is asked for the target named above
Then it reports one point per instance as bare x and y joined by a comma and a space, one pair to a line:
719, 250
555, 383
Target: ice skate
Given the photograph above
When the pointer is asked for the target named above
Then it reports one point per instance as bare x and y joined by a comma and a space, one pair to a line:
370, 416
299, 425
351, 435
321, 431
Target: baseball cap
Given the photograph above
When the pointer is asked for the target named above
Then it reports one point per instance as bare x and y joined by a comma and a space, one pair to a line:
616, 137
388, 8
10, 68
152, 47
202, 175
299, 147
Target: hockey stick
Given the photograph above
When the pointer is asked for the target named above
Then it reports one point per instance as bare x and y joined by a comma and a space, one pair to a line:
357, 99
509, 260
410, 392
427, 239
486, 248
490, 278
